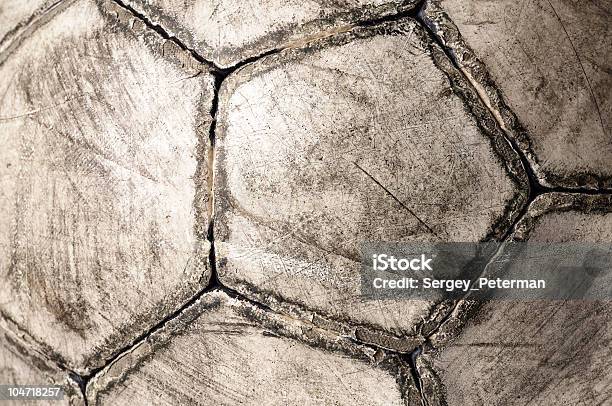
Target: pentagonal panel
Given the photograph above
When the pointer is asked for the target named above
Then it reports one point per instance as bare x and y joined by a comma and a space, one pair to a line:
357, 138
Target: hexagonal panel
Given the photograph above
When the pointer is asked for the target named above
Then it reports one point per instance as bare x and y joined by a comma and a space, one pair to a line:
550, 61
103, 177
227, 32
356, 138
227, 351
545, 352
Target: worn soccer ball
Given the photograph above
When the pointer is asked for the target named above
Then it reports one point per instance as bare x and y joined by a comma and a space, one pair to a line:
189, 189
